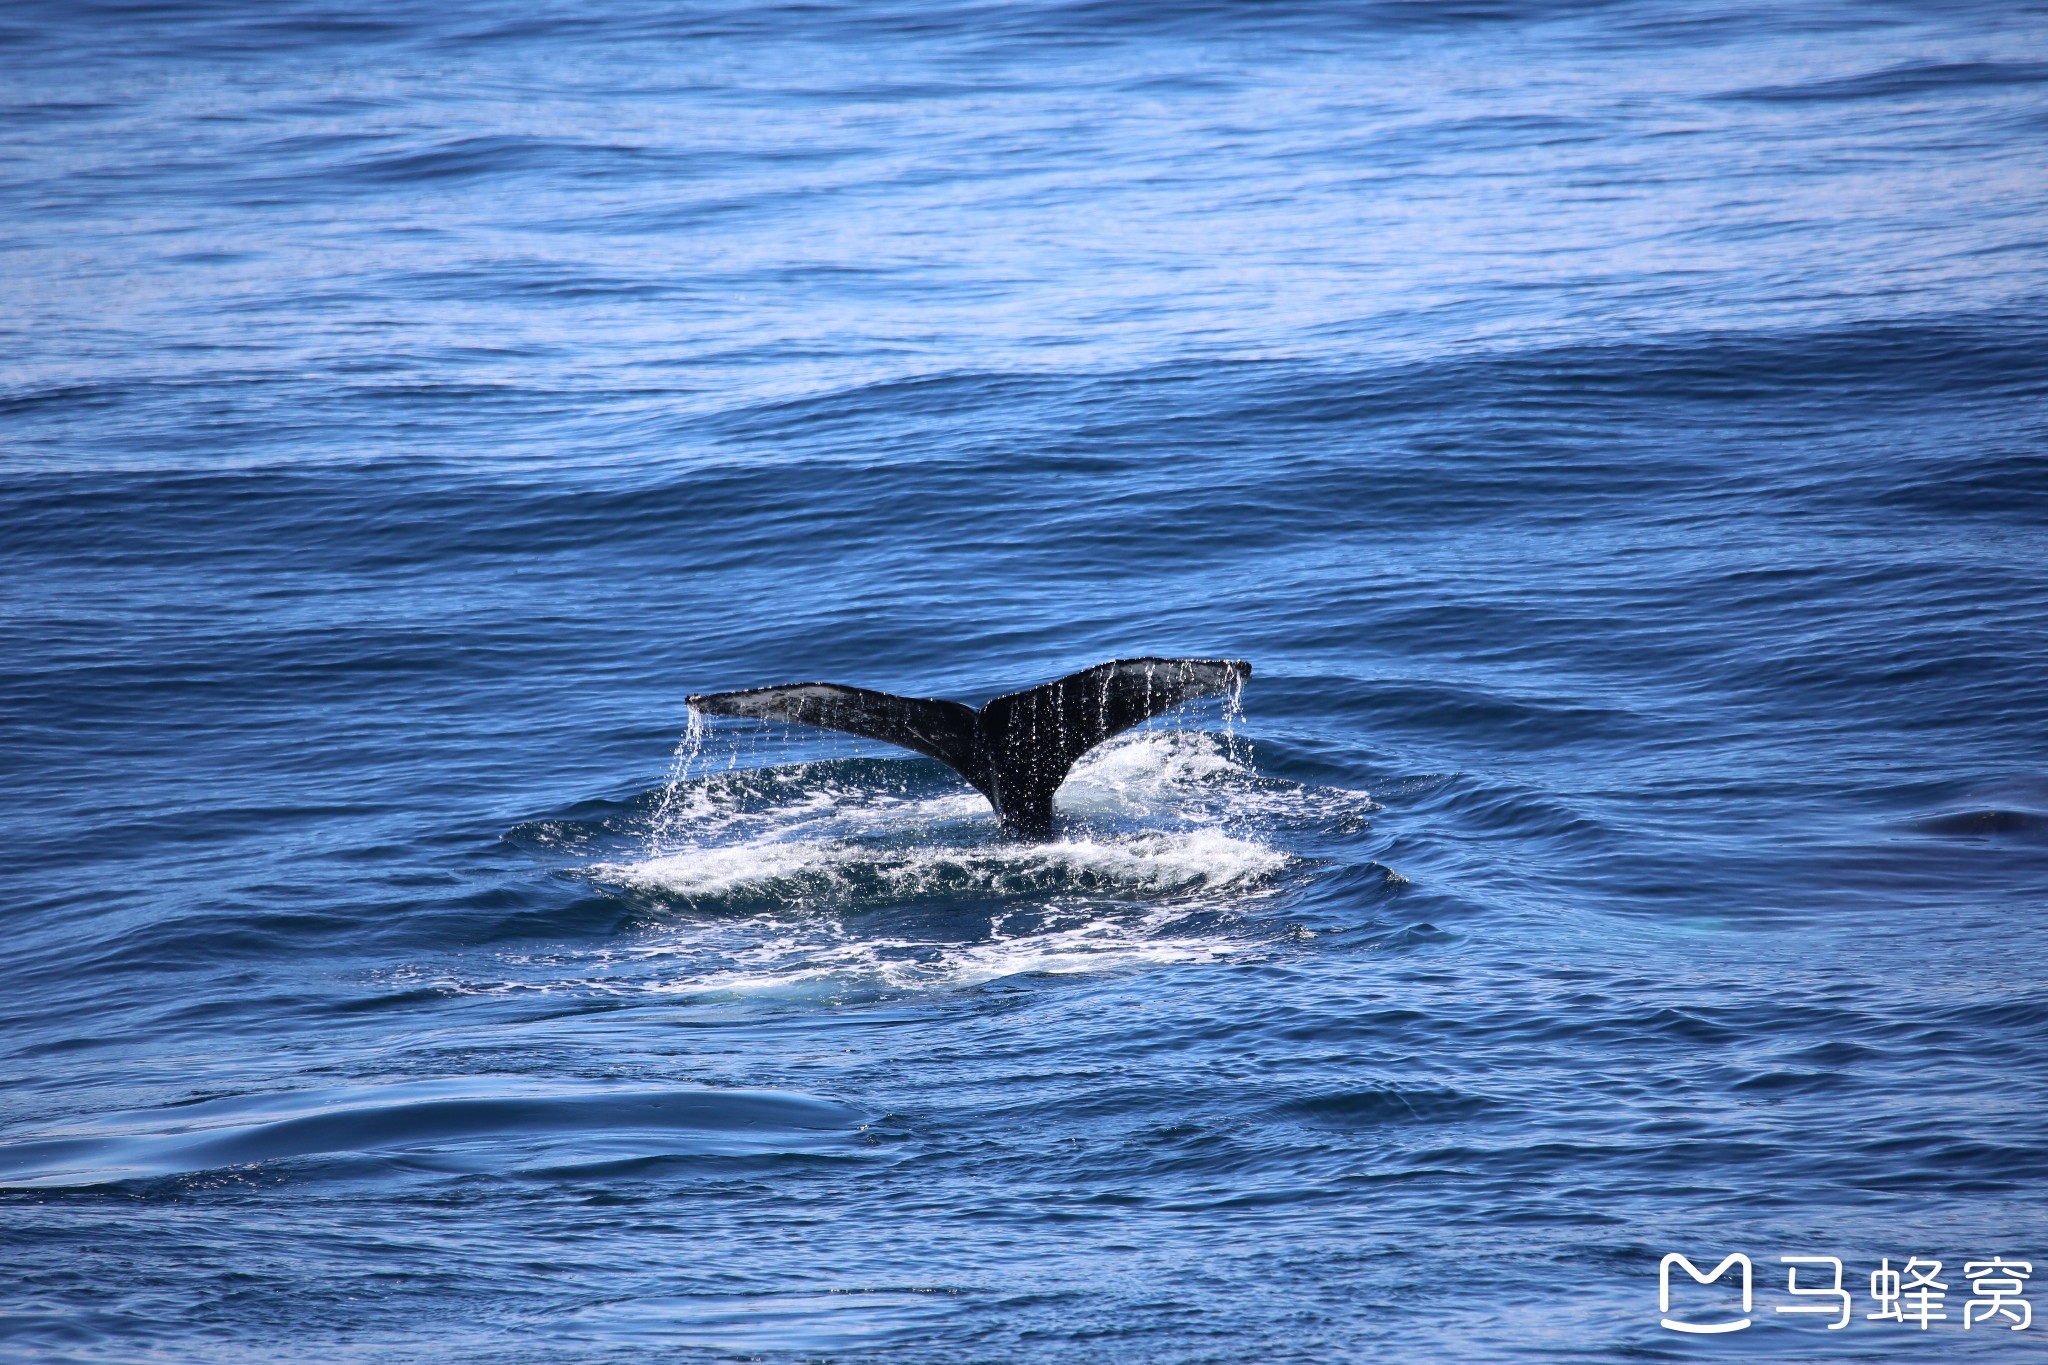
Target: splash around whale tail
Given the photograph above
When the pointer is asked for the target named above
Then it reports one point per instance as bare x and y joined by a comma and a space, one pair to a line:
1017, 749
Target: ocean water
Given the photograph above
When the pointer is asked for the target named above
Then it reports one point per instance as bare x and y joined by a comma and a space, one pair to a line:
1615, 432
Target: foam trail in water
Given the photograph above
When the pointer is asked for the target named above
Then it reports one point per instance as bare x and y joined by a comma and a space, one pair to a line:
1151, 813
799, 879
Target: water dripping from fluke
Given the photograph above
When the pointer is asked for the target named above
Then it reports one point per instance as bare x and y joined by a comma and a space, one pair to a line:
1016, 749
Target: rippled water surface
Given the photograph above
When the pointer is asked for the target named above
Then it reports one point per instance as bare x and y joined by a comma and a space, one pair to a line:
1614, 431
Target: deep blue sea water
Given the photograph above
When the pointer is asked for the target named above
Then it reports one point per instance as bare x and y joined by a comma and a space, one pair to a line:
1614, 431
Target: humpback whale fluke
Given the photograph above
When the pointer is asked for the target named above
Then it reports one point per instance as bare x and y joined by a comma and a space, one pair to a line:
1017, 749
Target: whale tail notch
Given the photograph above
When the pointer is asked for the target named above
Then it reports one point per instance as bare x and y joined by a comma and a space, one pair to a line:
1017, 749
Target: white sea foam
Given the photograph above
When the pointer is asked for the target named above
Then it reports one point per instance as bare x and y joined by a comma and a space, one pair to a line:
818, 870
828, 964
818, 880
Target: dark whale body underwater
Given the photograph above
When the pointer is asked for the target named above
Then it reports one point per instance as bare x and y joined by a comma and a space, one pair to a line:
1018, 748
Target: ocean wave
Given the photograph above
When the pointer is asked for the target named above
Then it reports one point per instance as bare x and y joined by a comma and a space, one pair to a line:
459, 1126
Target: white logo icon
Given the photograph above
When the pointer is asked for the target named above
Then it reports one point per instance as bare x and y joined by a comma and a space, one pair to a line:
1702, 1328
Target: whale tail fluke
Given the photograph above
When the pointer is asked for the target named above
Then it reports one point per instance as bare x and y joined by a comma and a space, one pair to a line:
942, 729
1017, 749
